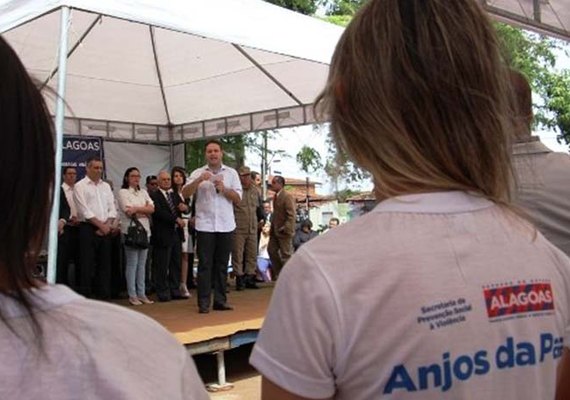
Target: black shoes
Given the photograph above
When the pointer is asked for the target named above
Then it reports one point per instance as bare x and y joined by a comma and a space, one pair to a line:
240, 283
163, 297
222, 307
203, 310
250, 282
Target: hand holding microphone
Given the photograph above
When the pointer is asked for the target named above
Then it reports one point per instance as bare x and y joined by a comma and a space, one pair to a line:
219, 184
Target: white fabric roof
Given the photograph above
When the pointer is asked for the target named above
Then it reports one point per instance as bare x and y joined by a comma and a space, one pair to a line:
551, 17
176, 62
206, 67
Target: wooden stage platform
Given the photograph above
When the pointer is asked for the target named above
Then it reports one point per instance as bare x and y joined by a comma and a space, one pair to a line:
218, 330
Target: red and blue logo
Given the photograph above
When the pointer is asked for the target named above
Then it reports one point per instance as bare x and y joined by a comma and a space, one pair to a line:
518, 299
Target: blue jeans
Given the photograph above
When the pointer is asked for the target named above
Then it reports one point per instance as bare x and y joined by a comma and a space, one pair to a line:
135, 260
263, 264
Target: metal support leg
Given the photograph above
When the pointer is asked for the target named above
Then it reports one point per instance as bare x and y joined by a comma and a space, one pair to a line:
222, 384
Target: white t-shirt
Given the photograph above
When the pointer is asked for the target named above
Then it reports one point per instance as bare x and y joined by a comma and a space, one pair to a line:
433, 296
214, 211
93, 350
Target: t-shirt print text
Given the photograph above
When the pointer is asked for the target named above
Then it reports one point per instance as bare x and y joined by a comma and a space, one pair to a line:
445, 313
518, 299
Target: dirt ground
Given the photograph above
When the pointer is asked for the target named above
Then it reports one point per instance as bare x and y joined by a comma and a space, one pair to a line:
245, 379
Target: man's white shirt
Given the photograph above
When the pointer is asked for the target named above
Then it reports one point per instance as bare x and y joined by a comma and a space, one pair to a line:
214, 211
94, 200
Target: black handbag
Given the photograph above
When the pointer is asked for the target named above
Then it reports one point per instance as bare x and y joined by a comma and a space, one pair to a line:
136, 236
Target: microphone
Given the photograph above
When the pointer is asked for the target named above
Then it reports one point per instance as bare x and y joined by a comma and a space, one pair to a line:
217, 188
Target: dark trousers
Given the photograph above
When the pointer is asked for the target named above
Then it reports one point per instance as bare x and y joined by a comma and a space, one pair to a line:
190, 280
118, 280
95, 263
67, 250
166, 262
213, 250
149, 277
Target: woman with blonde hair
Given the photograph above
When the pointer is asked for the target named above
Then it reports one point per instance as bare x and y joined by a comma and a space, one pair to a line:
442, 291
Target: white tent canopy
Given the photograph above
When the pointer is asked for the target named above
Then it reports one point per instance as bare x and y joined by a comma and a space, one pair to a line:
184, 69
183, 64
551, 17
169, 71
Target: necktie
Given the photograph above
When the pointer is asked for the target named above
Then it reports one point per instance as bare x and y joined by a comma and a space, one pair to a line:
171, 203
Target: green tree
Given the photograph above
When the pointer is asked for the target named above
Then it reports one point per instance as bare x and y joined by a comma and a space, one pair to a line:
309, 159
307, 7
345, 8
535, 56
234, 152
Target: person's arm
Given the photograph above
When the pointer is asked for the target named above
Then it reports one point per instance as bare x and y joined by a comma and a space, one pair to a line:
270, 391
83, 208
298, 346
110, 199
232, 191
64, 212
563, 381
231, 195
162, 213
290, 216
196, 178
148, 208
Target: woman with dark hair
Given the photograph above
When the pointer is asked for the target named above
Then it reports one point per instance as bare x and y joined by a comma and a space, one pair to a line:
187, 249
443, 291
135, 203
55, 343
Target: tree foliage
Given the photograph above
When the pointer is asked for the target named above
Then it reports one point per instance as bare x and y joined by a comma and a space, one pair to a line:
307, 7
345, 8
535, 56
234, 152
309, 159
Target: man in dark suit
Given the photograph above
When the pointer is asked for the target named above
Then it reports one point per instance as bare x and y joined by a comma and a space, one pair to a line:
166, 238
62, 244
280, 246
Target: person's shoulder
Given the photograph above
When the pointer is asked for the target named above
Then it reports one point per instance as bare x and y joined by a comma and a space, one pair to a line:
199, 170
111, 318
229, 170
562, 159
80, 183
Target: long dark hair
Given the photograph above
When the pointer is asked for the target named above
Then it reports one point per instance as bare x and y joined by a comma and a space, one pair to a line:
27, 155
418, 95
125, 184
181, 170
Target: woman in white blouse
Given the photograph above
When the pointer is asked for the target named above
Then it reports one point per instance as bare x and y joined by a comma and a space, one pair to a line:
134, 201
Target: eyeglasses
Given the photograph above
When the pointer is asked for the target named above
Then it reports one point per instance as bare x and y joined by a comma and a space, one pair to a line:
134, 176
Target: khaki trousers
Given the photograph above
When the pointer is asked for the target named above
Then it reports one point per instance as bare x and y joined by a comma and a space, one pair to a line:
244, 253
280, 249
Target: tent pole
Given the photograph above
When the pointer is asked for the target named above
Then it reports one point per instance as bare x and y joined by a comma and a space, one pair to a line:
59, 114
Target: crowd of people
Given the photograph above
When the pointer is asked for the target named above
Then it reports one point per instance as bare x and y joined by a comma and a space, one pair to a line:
445, 290
215, 212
